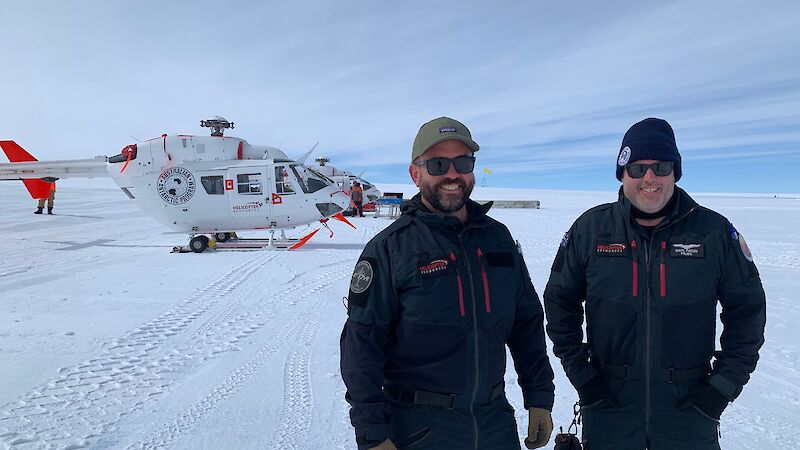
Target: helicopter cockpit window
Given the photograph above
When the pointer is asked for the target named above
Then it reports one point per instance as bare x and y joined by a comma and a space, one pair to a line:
310, 181
249, 183
213, 184
366, 185
283, 184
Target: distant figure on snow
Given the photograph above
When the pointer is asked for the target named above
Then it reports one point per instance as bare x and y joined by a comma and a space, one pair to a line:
357, 197
50, 200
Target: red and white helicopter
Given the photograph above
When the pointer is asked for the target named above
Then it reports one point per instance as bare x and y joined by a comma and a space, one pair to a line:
206, 186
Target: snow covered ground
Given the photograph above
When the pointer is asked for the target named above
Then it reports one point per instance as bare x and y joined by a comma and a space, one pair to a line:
107, 340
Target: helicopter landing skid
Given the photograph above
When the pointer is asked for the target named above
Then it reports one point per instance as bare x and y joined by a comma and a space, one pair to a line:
240, 244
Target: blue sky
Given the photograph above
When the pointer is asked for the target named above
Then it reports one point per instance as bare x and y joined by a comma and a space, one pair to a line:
547, 89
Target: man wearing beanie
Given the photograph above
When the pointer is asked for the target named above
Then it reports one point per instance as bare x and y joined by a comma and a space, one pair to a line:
649, 271
434, 300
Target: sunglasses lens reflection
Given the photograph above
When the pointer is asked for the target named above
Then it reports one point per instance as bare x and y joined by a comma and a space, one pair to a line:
660, 169
440, 166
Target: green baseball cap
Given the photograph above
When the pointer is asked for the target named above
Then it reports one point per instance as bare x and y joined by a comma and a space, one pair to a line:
440, 130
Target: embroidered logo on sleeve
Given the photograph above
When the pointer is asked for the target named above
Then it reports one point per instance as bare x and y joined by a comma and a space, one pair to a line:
565, 240
736, 236
732, 231
690, 250
745, 248
362, 277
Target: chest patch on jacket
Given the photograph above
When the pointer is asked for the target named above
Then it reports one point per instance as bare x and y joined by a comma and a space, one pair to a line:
611, 249
500, 259
435, 268
687, 250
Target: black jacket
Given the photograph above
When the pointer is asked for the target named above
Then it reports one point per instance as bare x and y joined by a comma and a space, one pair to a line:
432, 305
651, 299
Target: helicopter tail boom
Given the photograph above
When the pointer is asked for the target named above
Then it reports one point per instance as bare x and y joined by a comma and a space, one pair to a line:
37, 175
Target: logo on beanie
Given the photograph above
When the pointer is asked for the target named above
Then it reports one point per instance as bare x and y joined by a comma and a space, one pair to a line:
624, 156
447, 130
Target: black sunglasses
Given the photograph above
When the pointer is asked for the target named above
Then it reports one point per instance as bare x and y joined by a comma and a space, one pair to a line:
439, 166
660, 169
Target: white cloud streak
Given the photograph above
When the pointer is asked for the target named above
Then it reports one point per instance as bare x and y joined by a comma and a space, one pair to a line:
543, 86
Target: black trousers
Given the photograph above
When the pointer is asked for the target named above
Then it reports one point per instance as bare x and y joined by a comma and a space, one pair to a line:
359, 208
670, 428
432, 428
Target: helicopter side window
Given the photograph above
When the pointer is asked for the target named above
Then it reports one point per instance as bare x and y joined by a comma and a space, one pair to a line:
309, 180
249, 183
213, 184
283, 184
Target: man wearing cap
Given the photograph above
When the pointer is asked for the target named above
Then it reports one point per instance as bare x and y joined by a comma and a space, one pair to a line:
434, 300
649, 271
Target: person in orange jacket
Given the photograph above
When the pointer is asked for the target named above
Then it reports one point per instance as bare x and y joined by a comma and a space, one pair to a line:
357, 198
50, 200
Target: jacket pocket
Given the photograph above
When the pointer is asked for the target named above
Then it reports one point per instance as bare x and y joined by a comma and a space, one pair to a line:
611, 330
687, 334
413, 440
427, 356
497, 334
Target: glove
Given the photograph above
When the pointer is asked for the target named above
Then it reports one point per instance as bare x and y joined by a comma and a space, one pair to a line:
385, 445
596, 391
707, 399
540, 425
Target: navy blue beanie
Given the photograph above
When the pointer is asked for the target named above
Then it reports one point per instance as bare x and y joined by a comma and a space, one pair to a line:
649, 139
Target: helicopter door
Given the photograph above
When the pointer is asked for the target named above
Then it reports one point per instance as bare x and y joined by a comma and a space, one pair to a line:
287, 198
248, 191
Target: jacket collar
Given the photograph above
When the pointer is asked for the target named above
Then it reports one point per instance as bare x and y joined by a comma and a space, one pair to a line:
475, 211
683, 205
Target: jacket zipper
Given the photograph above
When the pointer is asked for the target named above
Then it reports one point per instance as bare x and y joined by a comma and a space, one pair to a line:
475, 333
635, 287
460, 286
487, 300
647, 322
647, 344
663, 270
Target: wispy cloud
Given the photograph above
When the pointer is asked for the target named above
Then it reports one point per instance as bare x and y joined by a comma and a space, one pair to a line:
546, 88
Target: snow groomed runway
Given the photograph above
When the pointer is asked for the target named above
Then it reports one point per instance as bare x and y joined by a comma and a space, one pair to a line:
109, 341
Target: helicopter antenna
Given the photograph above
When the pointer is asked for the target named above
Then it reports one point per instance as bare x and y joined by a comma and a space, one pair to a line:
135, 138
217, 125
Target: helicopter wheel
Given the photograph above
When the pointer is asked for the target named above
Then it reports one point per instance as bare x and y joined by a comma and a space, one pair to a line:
198, 244
222, 237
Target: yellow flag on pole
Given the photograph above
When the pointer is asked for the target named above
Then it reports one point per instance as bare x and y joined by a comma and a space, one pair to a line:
487, 171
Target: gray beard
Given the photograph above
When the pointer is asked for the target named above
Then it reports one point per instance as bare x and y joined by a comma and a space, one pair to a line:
446, 205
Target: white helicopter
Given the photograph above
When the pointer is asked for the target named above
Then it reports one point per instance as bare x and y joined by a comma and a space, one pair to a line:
345, 179
207, 186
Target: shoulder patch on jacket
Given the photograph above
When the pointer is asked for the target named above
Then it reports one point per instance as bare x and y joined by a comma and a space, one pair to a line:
565, 239
736, 236
361, 281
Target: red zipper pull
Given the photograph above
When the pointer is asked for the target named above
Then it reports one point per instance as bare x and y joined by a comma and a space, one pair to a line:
635, 269
487, 299
460, 286
663, 271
